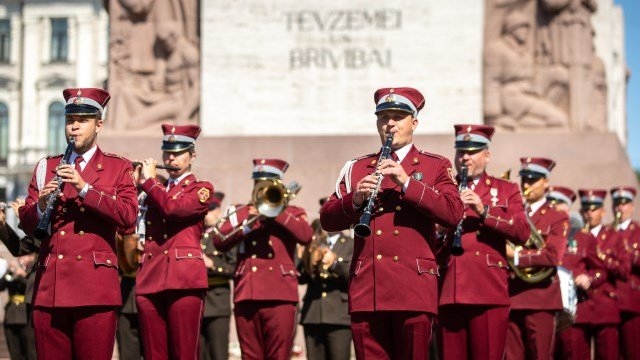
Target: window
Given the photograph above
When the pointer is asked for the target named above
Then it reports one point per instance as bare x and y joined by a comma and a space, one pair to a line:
4, 133
5, 40
59, 40
56, 142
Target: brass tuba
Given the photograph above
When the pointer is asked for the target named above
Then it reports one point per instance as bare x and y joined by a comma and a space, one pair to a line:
531, 275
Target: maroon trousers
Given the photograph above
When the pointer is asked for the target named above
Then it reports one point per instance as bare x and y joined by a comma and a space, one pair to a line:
265, 329
573, 343
170, 323
472, 332
391, 335
630, 335
530, 334
86, 332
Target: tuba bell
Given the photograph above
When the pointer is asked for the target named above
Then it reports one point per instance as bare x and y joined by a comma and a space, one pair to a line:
531, 275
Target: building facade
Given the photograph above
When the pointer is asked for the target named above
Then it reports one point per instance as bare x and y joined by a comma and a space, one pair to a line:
45, 46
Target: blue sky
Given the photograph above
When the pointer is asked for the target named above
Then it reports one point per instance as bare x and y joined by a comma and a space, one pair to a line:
631, 10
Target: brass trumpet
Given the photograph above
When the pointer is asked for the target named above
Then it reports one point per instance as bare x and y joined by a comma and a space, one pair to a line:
158, 166
269, 196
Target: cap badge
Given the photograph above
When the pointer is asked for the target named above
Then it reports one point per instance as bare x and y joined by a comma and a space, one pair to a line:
78, 100
467, 137
172, 139
390, 98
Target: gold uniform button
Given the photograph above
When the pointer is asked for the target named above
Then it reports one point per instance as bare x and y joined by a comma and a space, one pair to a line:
395, 258
190, 255
270, 268
219, 269
150, 237
206, 236
324, 285
148, 222
431, 272
254, 243
477, 253
164, 221
380, 209
60, 257
379, 257
270, 255
340, 259
81, 209
254, 256
78, 257
379, 232
166, 252
396, 232
215, 252
478, 233
398, 208
324, 294
62, 232
81, 233
500, 263
109, 261
165, 236
254, 269
270, 243
64, 210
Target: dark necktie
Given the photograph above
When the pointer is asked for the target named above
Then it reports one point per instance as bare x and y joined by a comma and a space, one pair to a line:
77, 161
172, 184
394, 157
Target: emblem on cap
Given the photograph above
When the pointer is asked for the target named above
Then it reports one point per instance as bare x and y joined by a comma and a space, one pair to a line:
390, 98
78, 100
171, 138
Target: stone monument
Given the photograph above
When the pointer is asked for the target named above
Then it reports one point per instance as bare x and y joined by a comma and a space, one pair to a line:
154, 64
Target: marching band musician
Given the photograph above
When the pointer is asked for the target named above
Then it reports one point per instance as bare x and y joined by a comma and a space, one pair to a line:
605, 314
77, 286
214, 339
172, 280
628, 289
393, 286
582, 260
266, 279
474, 299
531, 326
325, 312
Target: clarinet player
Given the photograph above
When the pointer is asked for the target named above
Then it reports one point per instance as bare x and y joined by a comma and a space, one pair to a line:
393, 276
474, 299
77, 289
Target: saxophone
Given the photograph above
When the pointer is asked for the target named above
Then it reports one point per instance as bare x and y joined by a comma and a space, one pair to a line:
531, 275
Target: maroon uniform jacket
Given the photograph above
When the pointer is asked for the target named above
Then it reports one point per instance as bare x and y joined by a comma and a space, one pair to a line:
265, 269
553, 225
395, 268
78, 265
581, 257
605, 298
172, 257
629, 289
479, 275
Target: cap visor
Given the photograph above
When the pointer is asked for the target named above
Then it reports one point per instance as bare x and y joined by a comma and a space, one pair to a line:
528, 174
73, 109
175, 146
394, 106
470, 145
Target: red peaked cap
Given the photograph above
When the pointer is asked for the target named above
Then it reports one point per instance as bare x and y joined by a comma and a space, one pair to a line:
561, 193
269, 168
473, 137
536, 167
85, 101
592, 198
404, 99
179, 137
623, 194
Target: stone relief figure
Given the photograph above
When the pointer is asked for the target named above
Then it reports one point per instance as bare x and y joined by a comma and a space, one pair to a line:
154, 63
553, 62
513, 97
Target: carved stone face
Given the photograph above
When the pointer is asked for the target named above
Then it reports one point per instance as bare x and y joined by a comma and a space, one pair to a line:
521, 33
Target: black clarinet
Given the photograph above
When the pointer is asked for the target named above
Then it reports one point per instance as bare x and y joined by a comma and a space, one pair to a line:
42, 230
456, 247
363, 229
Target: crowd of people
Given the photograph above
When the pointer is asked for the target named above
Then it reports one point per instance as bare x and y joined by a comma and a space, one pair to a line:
446, 261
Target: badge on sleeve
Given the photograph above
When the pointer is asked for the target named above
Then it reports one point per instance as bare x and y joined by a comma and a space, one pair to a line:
453, 178
203, 195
